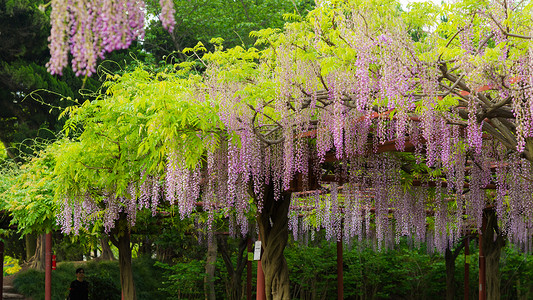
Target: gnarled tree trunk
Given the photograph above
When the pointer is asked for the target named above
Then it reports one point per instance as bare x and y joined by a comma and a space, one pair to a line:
274, 234
38, 259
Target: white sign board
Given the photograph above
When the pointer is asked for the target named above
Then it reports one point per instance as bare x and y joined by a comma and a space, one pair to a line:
257, 250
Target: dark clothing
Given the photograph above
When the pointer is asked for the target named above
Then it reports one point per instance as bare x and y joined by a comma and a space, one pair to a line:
79, 290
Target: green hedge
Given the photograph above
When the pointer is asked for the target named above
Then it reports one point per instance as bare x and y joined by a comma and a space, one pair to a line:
403, 273
103, 277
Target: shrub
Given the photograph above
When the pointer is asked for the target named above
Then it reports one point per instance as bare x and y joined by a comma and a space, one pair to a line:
11, 265
184, 280
103, 278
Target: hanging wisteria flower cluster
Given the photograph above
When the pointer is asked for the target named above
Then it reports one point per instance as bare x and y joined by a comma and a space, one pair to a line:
376, 206
87, 29
79, 214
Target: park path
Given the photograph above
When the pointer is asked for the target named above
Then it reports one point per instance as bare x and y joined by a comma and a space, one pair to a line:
9, 292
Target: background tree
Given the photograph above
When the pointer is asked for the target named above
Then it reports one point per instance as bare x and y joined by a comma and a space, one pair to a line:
23, 55
28, 193
200, 21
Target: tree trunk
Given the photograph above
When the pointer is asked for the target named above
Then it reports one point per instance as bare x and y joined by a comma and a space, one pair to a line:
31, 245
38, 259
164, 254
7, 146
145, 247
492, 246
234, 285
450, 274
127, 285
210, 266
107, 254
519, 293
120, 237
450, 256
274, 234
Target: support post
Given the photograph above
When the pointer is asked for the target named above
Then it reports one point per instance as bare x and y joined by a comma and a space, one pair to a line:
482, 286
260, 292
467, 268
340, 280
248, 272
48, 267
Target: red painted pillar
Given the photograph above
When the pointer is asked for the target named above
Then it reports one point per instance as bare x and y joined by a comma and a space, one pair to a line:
340, 280
261, 295
467, 268
482, 287
260, 292
248, 272
48, 267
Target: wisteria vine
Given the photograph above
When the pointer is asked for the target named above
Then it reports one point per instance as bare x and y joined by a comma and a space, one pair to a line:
88, 29
297, 120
